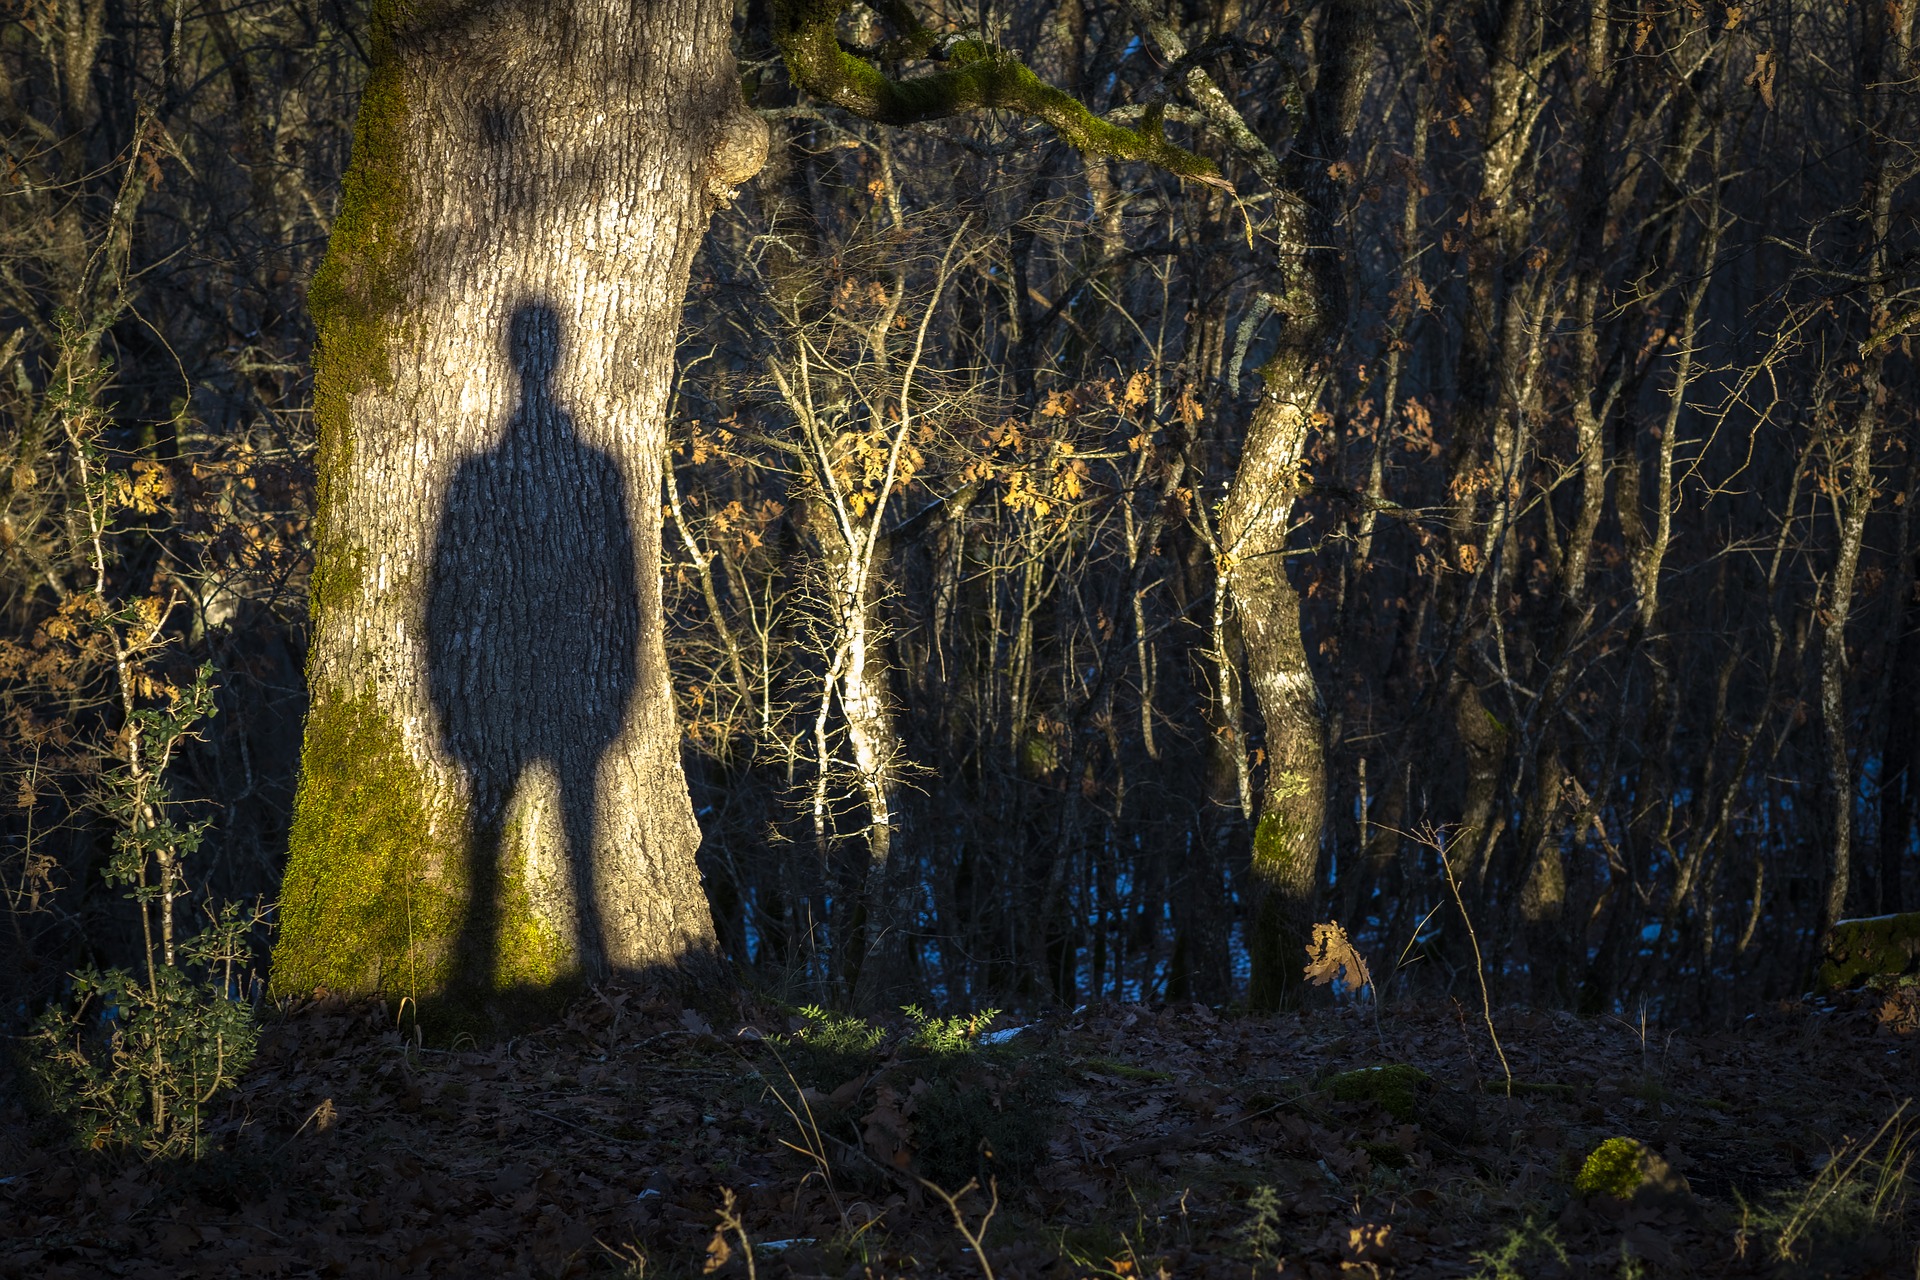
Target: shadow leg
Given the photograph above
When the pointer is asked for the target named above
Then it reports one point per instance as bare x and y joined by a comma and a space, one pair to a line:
578, 801
478, 950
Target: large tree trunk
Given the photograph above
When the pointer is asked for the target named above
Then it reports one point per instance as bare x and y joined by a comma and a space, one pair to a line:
491, 801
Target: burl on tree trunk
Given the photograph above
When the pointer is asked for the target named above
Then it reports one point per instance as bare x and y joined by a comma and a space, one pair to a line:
491, 807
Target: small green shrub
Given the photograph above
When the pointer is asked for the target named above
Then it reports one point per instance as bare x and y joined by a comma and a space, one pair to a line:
829, 1032
944, 1037
133, 1060
1520, 1251
831, 1049
1853, 1217
834, 1047
983, 1121
1259, 1235
976, 1111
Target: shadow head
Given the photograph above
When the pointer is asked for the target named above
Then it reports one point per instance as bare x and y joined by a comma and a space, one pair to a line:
533, 343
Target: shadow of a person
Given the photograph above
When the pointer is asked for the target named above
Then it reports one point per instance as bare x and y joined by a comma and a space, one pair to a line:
533, 624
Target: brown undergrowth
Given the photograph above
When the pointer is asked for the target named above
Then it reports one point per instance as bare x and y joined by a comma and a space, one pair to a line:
1121, 1141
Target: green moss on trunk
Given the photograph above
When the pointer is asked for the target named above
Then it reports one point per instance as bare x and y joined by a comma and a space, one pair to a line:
339, 572
360, 285
977, 76
1276, 938
529, 957
356, 295
375, 897
366, 906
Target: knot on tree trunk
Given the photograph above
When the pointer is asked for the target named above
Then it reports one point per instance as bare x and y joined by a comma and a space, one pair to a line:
738, 151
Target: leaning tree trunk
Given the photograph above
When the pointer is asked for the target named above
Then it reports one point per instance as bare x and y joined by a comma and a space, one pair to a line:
491, 802
1256, 518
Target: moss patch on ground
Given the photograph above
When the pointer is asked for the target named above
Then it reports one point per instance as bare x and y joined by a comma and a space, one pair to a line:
1123, 1070
1395, 1088
1520, 1088
1613, 1169
1627, 1169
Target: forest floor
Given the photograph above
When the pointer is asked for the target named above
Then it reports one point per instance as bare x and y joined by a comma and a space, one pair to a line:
1124, 1141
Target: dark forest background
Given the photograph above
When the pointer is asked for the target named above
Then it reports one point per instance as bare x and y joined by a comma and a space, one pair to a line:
1605, 545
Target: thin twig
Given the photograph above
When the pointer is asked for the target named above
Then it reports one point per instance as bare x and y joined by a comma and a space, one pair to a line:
973, 1237
1439, 844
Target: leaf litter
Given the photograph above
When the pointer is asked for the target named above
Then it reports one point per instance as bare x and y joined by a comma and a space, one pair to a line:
1172, 1141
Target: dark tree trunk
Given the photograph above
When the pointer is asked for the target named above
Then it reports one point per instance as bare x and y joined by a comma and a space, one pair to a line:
1883, 120
1896, 763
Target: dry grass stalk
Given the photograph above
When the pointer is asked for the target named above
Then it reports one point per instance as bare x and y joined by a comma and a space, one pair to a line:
974, 1236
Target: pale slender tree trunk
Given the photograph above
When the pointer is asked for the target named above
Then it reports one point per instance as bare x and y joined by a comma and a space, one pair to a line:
852, 589
845, 522
1887, 35
1255, 520
887, 894
491, 800
1256, 516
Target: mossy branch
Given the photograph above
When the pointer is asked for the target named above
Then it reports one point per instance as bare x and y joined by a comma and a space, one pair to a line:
977, 76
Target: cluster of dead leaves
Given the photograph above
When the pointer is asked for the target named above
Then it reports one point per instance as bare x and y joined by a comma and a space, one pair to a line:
1035, 471
1332, 953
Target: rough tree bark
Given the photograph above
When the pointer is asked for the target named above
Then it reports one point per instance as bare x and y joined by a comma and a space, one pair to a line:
1257, 515
491, 799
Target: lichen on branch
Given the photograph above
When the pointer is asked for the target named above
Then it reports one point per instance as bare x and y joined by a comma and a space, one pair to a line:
977, 76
